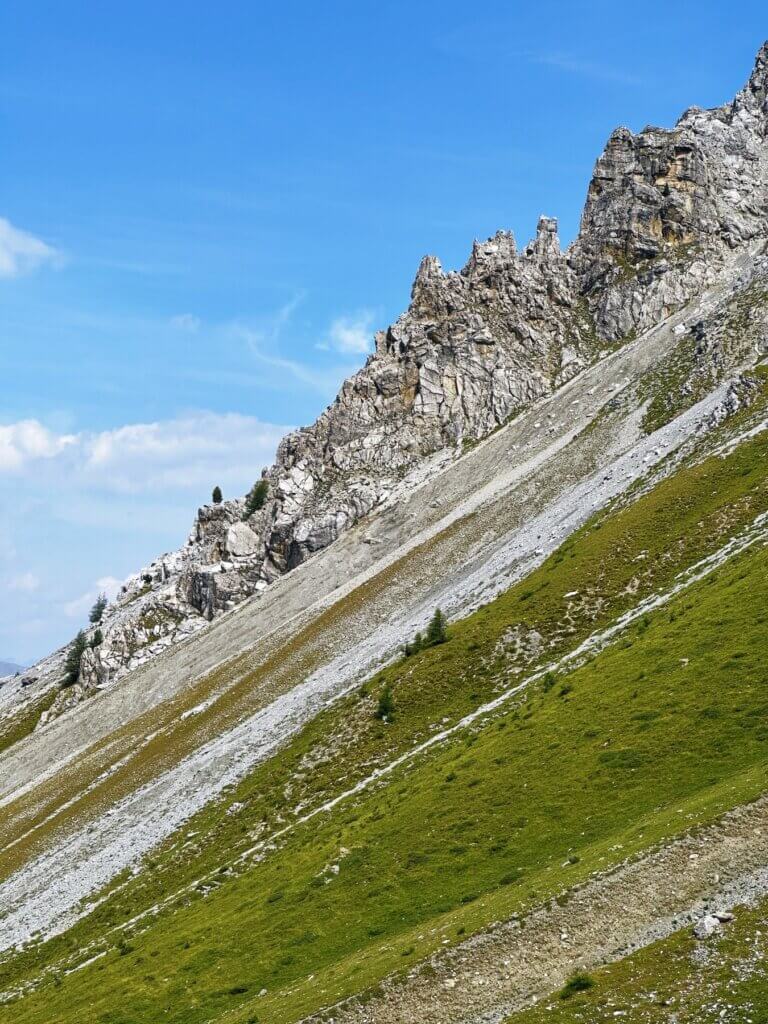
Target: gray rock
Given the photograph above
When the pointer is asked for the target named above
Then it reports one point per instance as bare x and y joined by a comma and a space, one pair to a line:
708, 926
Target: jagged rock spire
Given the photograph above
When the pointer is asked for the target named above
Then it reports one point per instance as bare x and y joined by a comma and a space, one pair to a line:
546, 244
755, 93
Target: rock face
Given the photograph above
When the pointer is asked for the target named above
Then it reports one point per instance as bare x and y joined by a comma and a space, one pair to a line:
664, 206
664, 209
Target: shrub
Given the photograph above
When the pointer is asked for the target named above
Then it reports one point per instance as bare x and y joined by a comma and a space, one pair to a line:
256, 498
216, 496
98, 609
97, 638
579, 981
74, 655
385, 709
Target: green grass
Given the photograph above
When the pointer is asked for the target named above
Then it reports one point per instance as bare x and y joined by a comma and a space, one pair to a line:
493, 823
22, 723
677, 976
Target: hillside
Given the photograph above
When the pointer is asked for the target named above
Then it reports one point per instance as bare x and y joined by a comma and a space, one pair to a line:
264, 801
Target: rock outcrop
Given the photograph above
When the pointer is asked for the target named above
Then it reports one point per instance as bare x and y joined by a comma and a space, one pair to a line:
664, 209
665, 206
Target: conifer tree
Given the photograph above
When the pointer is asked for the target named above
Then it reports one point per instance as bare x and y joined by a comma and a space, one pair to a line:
437, 630
217, 495
74, 655
256, 498
98, 609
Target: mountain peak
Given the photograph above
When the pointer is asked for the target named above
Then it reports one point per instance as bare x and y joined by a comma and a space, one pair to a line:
754, 95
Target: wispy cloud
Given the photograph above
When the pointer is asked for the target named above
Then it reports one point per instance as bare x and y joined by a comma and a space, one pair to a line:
24, 583
263, 339
21, 252
585, 68
350, 335
270, 331
487, 40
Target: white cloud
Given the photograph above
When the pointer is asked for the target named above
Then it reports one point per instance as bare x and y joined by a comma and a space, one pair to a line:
108, 585
193, 451
186, 322
21, 252
25, 582
350, 334
187, 453
80, 606
28, 440
80, 510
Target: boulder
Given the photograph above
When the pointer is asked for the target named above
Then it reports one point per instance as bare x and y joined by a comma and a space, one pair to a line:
241, 541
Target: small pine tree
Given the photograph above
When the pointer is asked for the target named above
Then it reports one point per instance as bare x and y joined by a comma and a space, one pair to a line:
97, 638
385, 709
256, 498
437, 630
74, 655
217, 495
414, 646
98, 609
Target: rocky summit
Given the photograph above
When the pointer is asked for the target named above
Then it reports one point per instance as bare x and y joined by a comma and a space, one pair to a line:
459, 714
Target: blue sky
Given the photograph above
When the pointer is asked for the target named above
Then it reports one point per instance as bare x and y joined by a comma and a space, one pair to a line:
206, 210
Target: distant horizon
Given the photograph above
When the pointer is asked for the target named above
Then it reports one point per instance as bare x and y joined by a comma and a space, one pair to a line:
11, 664
204, 222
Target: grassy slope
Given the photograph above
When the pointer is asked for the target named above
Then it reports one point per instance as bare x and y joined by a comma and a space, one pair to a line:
482, 827
17, 726
694, 981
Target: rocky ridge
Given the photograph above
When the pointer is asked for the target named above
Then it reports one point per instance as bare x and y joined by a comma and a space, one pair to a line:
665, 209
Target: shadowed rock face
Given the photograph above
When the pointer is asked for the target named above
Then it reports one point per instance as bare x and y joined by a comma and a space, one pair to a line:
664, 209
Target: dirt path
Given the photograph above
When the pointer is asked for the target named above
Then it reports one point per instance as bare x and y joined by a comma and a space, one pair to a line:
492, 975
